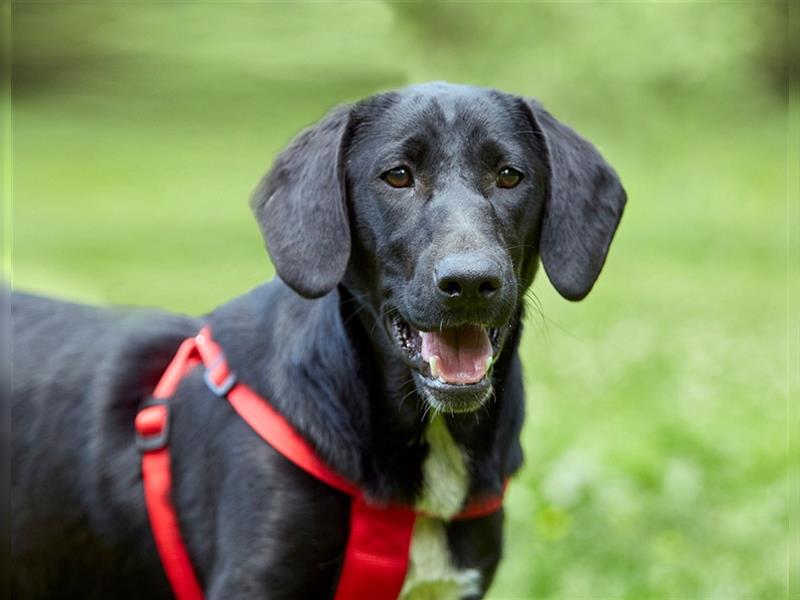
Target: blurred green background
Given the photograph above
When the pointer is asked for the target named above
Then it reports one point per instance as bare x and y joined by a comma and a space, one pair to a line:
661, 452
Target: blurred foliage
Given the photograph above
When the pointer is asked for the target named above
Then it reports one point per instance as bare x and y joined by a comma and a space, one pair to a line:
658, 435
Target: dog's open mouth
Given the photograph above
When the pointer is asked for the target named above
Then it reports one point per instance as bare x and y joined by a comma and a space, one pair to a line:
453, 365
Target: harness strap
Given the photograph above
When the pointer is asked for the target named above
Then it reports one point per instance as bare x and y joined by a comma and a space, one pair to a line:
152, 427
377, 552
376, 556
267, 422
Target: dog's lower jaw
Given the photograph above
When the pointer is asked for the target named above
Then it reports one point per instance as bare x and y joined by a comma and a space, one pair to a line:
450, 407
431, 573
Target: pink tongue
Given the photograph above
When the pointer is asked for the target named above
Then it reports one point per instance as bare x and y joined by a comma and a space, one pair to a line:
463, 352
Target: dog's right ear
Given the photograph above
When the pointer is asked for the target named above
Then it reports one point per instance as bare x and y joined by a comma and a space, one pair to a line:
301, 208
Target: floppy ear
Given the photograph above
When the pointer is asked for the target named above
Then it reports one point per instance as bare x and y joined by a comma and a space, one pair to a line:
301, 208
585, 200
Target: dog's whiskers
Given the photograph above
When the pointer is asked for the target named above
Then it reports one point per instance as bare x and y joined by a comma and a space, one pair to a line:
515, 246
541, 321
405, 396
354, 314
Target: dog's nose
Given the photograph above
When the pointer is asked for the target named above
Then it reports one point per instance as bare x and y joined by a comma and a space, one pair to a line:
467, 279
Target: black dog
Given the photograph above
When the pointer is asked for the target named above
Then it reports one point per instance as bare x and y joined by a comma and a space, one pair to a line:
405, 229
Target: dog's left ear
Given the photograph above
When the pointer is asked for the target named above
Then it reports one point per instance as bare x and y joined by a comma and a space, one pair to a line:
584, 205
301, 208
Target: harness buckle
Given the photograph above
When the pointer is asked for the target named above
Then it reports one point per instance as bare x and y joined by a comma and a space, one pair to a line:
152, 425
226, 385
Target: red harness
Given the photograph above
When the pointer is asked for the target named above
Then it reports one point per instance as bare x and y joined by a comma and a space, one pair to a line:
376, 556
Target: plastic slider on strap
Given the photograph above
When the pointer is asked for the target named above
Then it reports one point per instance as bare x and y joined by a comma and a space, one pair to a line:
219, 378
152, 425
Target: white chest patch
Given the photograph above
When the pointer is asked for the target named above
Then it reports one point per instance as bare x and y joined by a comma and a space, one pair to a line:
431, 573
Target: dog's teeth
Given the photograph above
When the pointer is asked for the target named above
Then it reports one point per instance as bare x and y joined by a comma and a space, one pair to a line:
433, 361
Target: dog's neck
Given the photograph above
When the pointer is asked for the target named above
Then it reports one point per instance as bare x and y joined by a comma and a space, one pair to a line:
319, 363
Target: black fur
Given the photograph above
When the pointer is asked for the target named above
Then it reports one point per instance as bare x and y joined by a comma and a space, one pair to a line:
350, 250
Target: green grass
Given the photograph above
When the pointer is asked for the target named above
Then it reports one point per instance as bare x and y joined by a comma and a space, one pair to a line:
657, 434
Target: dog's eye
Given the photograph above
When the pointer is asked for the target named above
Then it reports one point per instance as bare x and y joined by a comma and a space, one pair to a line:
398, 177
508, 178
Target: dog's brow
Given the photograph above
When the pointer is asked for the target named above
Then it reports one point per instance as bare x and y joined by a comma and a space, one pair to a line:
414, 148
496, 151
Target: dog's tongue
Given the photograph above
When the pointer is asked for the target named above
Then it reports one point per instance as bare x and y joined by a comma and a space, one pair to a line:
460, 354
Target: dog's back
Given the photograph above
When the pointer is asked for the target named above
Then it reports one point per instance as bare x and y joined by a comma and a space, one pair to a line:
77, 375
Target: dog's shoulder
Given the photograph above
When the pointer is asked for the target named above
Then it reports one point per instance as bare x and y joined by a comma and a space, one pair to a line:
296, 353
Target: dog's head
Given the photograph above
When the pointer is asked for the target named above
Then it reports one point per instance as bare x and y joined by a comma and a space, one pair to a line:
432, 206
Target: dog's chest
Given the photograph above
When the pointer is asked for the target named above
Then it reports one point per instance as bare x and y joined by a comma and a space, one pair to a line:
431, 572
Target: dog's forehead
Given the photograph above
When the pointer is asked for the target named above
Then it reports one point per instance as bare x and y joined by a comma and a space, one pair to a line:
450, 102
447, 108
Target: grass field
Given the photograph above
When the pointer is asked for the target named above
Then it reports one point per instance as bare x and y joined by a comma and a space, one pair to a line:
662, 458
